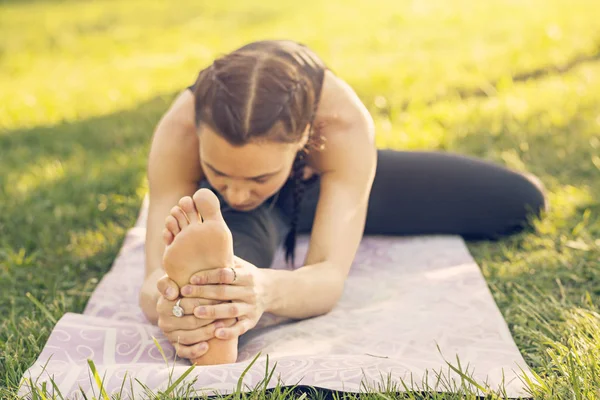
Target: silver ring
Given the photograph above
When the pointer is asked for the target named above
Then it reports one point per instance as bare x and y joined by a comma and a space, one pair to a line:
177, 309
234, 274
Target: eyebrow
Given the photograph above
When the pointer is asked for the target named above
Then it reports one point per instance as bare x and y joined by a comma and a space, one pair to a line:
251, 177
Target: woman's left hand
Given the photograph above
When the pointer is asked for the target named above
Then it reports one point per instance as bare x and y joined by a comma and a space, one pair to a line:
244, 298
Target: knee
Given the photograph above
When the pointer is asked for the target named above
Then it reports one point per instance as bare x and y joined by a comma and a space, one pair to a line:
529, 201
535, 198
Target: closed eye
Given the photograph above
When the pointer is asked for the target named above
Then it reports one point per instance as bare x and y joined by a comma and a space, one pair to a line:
257, 180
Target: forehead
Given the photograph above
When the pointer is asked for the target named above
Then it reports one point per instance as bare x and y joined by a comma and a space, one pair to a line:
252, 159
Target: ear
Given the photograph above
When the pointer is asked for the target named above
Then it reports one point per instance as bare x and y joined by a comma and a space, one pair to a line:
304, 138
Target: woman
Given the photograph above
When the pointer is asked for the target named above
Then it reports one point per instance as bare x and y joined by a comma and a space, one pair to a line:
280, 145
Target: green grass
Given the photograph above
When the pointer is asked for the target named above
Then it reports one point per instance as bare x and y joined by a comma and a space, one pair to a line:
514, 82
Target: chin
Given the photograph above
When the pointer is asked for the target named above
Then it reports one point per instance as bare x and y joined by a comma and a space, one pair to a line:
246, 208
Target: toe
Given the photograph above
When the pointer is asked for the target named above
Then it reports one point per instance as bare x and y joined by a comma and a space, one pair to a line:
207, 205
180, 216
172, 225
187, 205
167, 237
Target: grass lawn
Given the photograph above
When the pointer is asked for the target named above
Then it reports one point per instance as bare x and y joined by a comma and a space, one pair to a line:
515, 82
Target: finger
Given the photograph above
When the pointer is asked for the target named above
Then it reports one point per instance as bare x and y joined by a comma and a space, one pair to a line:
223, 310
189, 337
216, 276
186, 323
216, 292
189, 208
165, 307
190, 352
167, 288
242, 326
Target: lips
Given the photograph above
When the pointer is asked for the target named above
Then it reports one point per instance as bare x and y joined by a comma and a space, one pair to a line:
244, 207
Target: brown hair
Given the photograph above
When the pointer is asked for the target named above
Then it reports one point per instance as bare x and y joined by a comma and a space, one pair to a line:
251, 95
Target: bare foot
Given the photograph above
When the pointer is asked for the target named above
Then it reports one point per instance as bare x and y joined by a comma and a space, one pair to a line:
201, 241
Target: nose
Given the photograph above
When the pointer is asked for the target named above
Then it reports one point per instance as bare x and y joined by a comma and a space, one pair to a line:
237, 196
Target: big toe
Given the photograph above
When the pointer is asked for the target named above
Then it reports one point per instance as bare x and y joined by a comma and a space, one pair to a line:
208, 205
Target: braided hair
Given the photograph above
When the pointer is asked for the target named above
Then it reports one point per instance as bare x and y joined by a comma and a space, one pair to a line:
298, 190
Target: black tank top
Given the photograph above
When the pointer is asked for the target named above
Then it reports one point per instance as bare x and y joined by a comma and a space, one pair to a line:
297, 53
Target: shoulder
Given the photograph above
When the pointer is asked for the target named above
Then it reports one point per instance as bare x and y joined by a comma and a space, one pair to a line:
174, 149
340, 107
347, 127
181, 116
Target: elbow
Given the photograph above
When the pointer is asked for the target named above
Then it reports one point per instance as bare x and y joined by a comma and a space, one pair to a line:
327, 305
148, 308
337, 290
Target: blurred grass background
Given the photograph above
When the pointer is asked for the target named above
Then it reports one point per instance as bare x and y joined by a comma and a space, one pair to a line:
83, 83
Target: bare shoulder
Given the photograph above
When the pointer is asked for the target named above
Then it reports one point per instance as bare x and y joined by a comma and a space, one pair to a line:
339, 103
180, 116
174, 154
347, 126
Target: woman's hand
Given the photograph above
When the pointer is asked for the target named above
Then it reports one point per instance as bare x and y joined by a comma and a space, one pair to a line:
244, 298
187, 334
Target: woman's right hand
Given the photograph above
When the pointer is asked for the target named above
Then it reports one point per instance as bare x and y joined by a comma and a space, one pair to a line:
188, 334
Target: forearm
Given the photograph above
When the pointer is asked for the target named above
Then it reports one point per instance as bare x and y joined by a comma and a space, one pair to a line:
149, 295
303, 293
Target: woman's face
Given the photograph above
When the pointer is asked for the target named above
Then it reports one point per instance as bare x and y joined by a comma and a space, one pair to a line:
245, 176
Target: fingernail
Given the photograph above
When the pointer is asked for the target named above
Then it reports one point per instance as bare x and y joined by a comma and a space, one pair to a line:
219, 324
202, 347
186, 290
195, 280
171, 292
199, 311
220, 333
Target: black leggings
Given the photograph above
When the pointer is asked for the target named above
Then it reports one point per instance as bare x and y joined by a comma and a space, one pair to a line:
414, 193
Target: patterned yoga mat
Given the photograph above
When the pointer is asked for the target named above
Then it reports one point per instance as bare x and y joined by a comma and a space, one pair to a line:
405, 296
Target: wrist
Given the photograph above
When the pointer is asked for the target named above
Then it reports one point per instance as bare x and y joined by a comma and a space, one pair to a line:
149, 295
270, 293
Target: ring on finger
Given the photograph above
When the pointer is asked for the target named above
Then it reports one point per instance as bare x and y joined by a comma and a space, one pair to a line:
177, 309
234, 274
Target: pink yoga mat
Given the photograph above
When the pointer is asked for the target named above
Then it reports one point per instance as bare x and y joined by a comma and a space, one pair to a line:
405, 296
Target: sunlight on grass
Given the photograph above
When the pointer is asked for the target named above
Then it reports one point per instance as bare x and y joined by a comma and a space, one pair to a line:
48, 172
103, 61
514, 82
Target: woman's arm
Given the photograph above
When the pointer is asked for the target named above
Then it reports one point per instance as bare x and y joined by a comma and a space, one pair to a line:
173, 172
348, 166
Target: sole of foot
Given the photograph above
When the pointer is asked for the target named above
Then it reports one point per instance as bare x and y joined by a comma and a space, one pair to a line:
201, 240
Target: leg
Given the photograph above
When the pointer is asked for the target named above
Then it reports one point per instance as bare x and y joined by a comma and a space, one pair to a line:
443, 193
257, 233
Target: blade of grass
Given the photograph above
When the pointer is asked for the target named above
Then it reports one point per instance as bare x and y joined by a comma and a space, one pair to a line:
241, 379
123, 385
160, 350
99, 382
41, 307
56, 389
83, 393
178, 381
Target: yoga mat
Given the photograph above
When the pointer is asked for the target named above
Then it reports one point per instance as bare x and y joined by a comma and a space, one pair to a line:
404, 297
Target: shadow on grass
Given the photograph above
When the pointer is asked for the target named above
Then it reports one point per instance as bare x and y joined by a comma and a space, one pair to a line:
68, 195
69, 189
489, 89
